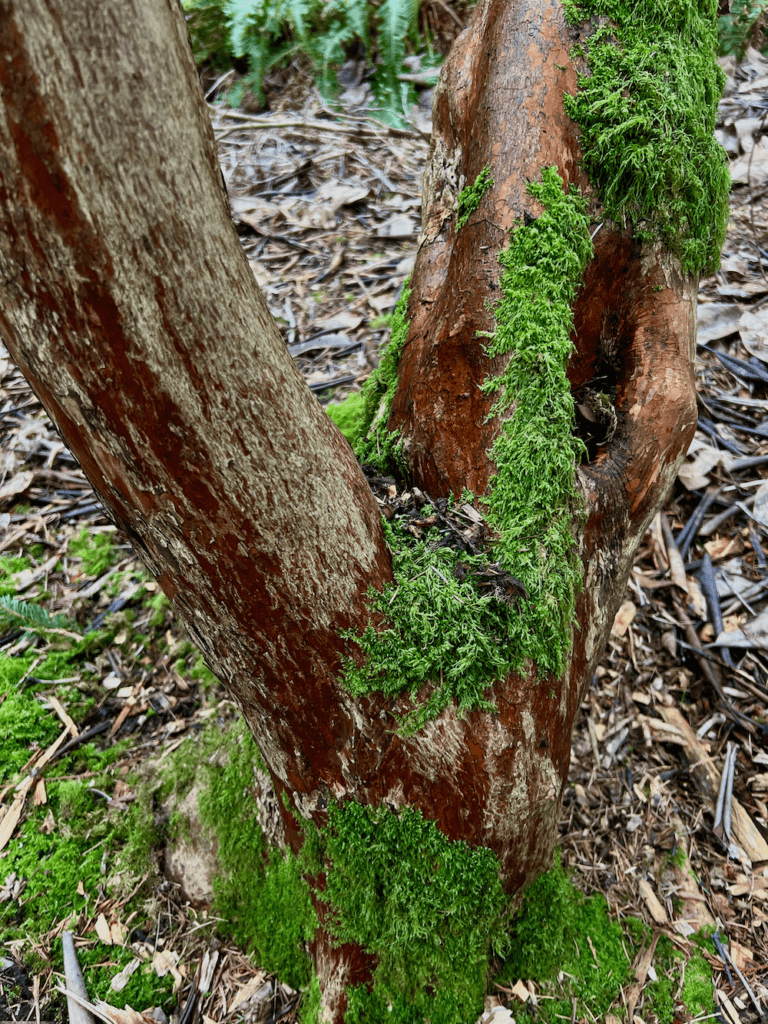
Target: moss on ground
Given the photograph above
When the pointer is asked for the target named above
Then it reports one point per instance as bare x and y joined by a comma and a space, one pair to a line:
60, 855
647, 113
553, 937
430, 909
9, 566
573, 949
469, 198
260, 897
96, 551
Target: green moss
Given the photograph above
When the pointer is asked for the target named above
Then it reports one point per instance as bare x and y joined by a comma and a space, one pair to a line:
260, 895
376, 445
203, 675
698, 992
551, 938
647, 113
310, 1004
533, 501
348, 415
95, 550
60, 848
469, 198
437, 629
9, 566
23, 720
441, 631
430, 909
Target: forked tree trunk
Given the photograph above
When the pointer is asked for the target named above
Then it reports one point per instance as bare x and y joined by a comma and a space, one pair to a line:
131, 309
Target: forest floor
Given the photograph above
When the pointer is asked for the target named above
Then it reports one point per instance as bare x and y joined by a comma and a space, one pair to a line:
97, 679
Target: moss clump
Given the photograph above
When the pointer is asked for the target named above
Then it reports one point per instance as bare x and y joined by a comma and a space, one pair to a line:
374, 444
24, 722
58, 853
533, 498
442, 631
698, 992
469, 198
348, 415
437, 628
554, 936
310, 1004
260, 894
9, 566
95, 550
647, 117
430, 909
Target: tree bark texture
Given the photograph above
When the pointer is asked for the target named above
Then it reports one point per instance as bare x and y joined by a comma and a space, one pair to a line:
131, 309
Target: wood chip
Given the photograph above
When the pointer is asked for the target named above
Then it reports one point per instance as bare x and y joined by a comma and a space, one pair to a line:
657, 911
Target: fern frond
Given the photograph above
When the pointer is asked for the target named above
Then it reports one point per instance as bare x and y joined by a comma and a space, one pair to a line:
397, 22
32, 617
299, 13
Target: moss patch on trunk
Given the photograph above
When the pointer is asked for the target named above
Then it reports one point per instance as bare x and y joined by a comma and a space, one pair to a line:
469, 198
532, 501
429, 908
647, 116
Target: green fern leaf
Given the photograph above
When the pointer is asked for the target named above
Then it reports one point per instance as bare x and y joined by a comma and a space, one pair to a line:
31, 617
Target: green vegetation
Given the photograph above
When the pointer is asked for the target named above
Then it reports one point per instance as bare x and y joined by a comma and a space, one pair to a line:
30, 617
259, 894
736, 29
348, 415
469, 198
533, 499
437, 629
570, 946
440, 630
96, 551
647, 116
268, 33
431, 910
552, 937
58, 855
9, 566
697, 992
376, 445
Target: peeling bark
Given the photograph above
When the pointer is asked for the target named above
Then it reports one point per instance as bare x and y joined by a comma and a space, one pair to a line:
132, 311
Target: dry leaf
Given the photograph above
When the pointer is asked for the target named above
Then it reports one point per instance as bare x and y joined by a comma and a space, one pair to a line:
721, 546
103, 931
624, 617
657, 911
716, 320
520, 991
18, 483
121, 979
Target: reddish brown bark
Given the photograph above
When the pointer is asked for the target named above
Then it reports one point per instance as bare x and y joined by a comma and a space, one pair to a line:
130, 307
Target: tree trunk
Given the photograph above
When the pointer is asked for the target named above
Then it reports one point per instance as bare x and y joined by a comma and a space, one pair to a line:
132, 311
